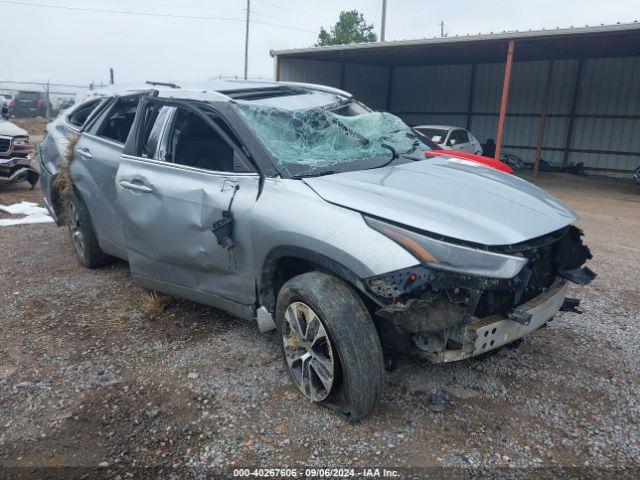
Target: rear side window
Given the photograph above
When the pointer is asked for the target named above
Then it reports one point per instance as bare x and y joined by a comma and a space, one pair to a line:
79, 116
460, 136
117, 122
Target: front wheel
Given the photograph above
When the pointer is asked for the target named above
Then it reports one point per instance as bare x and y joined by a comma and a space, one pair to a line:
330, 345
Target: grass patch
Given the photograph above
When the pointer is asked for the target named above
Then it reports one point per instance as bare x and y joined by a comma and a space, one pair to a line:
64, 183
154, 304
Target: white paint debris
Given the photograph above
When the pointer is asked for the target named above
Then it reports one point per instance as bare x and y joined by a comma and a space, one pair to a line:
33, 214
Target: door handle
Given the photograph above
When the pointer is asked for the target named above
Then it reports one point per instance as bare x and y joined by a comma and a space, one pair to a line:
138, 187
85, 152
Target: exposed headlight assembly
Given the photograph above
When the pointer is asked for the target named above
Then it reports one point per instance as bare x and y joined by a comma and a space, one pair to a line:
441, 255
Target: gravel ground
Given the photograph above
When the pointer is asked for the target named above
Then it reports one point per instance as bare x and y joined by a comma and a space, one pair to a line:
89, 377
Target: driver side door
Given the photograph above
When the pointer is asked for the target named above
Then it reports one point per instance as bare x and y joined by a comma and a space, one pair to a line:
181, 180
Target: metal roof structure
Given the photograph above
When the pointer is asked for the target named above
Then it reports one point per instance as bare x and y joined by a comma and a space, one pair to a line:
620, 39
573, 98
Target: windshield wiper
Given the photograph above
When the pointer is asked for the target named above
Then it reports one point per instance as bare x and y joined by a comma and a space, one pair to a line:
298, 176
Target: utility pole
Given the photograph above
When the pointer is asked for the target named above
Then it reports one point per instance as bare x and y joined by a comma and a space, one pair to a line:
384, 20
111, 76
442, 28
48, 100
246, 43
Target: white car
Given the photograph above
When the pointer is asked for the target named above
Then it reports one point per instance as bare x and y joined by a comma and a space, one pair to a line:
451, 138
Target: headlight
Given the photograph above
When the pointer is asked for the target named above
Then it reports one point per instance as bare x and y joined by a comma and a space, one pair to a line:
22, 142
441, 255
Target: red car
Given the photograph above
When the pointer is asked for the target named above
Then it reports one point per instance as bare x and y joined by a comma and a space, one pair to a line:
437, 150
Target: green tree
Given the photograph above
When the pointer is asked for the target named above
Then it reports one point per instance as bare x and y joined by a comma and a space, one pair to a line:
350, 28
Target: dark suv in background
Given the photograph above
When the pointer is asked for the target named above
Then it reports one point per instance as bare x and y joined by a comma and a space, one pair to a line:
30, 104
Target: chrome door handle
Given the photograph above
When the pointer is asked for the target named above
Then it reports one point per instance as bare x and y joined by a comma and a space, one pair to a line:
135, 186
85, 152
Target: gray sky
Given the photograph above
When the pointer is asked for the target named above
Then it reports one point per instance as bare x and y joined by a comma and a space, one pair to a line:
66, 45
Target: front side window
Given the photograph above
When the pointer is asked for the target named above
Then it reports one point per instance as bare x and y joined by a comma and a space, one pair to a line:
191, 141
152, 147
340, 136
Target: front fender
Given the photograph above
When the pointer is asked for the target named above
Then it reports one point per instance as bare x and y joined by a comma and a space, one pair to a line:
290, 219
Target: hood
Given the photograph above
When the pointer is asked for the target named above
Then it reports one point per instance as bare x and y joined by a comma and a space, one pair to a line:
465, 201
11, 129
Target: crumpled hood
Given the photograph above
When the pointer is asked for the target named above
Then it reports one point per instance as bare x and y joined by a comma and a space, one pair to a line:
11, 129
471, 203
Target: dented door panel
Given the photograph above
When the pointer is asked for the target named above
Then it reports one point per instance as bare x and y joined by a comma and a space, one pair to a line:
167, 212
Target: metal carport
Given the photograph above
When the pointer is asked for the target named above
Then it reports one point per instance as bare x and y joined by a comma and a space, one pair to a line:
573, 94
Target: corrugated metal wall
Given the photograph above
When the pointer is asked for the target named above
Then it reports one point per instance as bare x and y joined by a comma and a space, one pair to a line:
609, 94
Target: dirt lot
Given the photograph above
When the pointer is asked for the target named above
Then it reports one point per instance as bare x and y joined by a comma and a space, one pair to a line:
88, 377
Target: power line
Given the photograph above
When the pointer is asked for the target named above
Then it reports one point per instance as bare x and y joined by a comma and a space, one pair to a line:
295, 10
147, 14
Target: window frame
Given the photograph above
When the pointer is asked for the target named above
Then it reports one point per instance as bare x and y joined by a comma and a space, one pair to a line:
102, 117
135, 143
98, 101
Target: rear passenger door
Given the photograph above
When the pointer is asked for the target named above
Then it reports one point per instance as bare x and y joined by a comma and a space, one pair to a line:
172, 187
98, 154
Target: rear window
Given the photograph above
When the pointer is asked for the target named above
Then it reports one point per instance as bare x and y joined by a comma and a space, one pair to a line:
28, 95
80, 115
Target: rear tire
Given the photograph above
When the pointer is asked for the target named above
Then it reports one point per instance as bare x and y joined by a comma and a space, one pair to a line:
330, 345
83, 237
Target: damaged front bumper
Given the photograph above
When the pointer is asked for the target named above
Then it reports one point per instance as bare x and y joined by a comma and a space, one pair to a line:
448, 316
17, 170
482, 335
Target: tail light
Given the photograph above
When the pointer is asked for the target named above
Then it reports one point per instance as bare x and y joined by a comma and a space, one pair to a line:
40, 101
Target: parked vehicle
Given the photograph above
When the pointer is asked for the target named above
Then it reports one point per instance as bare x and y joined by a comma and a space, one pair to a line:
299, 207
451, 138
15, 156
435, 150
636, 176
30, 104
6, 105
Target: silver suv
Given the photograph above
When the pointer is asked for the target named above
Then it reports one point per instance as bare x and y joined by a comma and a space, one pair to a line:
298, 206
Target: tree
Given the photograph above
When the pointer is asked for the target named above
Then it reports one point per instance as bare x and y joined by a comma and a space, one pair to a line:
350, 28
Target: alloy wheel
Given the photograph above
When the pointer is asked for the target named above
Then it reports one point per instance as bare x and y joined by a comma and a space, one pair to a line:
308, 351
74, 228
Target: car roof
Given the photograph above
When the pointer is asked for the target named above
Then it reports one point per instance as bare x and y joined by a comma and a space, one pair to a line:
218, 90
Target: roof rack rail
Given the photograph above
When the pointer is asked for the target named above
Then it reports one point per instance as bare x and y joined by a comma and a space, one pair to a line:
162, 84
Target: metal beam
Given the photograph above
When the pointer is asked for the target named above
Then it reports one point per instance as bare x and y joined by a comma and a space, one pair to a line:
572, 114
505, 98
389, 89
472, 83
343, 69
543, 118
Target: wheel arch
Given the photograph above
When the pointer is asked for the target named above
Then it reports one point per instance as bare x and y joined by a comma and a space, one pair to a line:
285, 262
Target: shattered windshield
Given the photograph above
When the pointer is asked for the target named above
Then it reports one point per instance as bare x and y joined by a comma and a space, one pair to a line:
338, 137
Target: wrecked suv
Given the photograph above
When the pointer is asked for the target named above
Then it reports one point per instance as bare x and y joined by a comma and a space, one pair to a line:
297, 206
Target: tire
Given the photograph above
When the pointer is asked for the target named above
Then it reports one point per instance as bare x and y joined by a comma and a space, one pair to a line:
83, 235
349, 357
